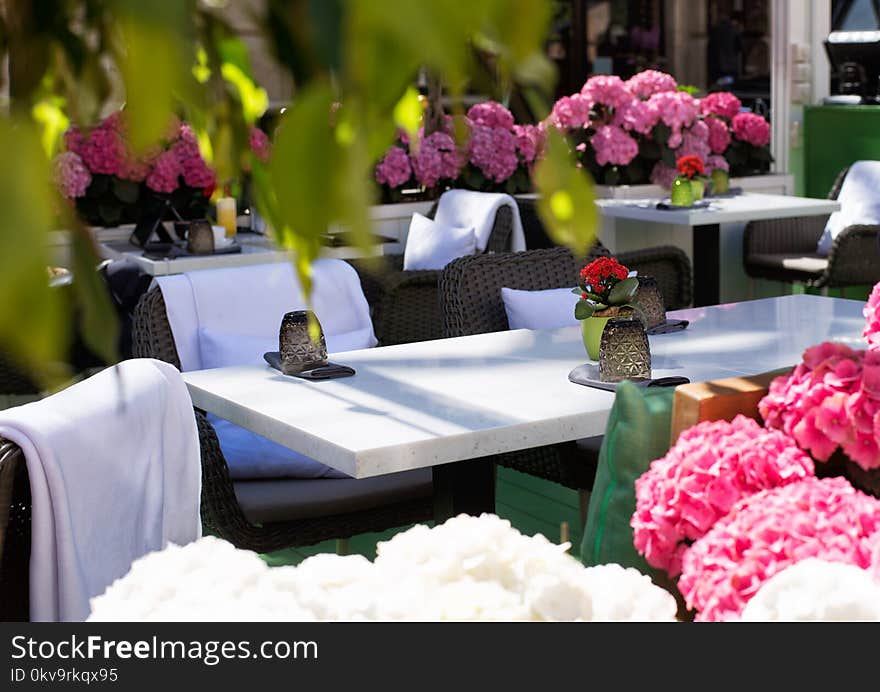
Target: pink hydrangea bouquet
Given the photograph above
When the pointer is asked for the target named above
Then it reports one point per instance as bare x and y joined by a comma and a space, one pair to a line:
634, 131
110, 184
712, 466
830, 401
495, 156
771, 530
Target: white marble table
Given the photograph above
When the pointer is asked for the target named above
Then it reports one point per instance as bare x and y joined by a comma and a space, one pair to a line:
705, 224
255, 249
431, 403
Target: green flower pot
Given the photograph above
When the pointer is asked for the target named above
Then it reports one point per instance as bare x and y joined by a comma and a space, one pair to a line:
720, 182
591, 329
682, 193
698, 189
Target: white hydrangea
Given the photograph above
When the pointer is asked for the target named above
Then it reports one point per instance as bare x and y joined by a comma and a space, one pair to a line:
469, 568
816, 590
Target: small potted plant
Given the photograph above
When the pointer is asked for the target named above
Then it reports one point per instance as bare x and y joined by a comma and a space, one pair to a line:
606, 290
689, 185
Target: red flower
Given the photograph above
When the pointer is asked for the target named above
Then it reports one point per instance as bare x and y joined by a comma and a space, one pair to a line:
691, 166
602, 273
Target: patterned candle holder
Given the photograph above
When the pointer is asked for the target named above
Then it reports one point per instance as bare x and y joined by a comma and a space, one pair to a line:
624, 352
200, 237
298, 351
650, 301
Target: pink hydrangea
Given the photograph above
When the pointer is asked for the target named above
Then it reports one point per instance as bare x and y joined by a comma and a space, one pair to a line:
394, 169
872, 318
491, 114
528, 141
771, 530
437, 159
677, 109
194, 169
751, 128
71, 175
663, 175
572, 112
711, 467
614, 146
830, 400
493, 151
649, 82
719, 135
258, 141
715, 162
74, 140
636, 115
166, 172
609, 90
721, 103
103, 150
695, 142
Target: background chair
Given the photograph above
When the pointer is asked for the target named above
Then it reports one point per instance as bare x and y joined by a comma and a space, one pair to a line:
785, 250
405, 305
270, 514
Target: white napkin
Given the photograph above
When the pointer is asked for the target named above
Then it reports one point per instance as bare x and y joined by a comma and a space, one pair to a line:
115, 473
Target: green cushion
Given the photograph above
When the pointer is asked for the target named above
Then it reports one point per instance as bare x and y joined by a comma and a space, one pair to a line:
637, 433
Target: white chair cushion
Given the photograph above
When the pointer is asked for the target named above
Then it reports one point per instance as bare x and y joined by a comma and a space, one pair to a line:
548, 309
859, 203
430, 245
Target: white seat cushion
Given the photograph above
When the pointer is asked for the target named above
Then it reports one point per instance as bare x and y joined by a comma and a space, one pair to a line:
430, 245
859, 203
547, 309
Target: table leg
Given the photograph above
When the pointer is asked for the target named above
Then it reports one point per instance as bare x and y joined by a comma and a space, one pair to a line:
707, 265
464, 487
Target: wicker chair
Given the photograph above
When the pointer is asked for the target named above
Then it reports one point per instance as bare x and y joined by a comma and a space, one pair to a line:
267, 515
669, 265
405, 306
470, 291
785, 250
15, 534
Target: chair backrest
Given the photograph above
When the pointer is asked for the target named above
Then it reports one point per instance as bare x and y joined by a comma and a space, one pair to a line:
194, 312
15, 534
470, 287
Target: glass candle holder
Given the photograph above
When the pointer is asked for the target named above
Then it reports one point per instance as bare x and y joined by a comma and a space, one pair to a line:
298, 351
624, 352
227, 215
650, 300
200, 237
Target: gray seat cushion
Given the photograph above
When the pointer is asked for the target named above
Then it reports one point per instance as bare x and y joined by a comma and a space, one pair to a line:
288, 499
806, 266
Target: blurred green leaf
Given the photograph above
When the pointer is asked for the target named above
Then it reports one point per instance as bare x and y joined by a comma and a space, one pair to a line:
567, 204
49, 114
408, 113
254, 99
32, 330
98, 324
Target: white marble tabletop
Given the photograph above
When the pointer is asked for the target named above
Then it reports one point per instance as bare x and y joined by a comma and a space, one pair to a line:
740, 208
434, 402
255, 249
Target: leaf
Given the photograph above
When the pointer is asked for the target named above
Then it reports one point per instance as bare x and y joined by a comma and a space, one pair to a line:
578, 291
583, 310
408, 113
623, 291
567, 203
99, 326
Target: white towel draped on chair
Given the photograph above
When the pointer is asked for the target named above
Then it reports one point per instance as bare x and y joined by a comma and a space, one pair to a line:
115, 473
466, 208
859, 199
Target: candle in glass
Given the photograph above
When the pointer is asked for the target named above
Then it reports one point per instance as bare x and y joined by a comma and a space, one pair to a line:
227, 216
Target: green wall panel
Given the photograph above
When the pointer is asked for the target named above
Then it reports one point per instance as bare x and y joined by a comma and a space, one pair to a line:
835, 137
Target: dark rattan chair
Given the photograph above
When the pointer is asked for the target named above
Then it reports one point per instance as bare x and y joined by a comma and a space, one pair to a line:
785, 250
266, 515
470, 290
405, 305
15, 534
669, 265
